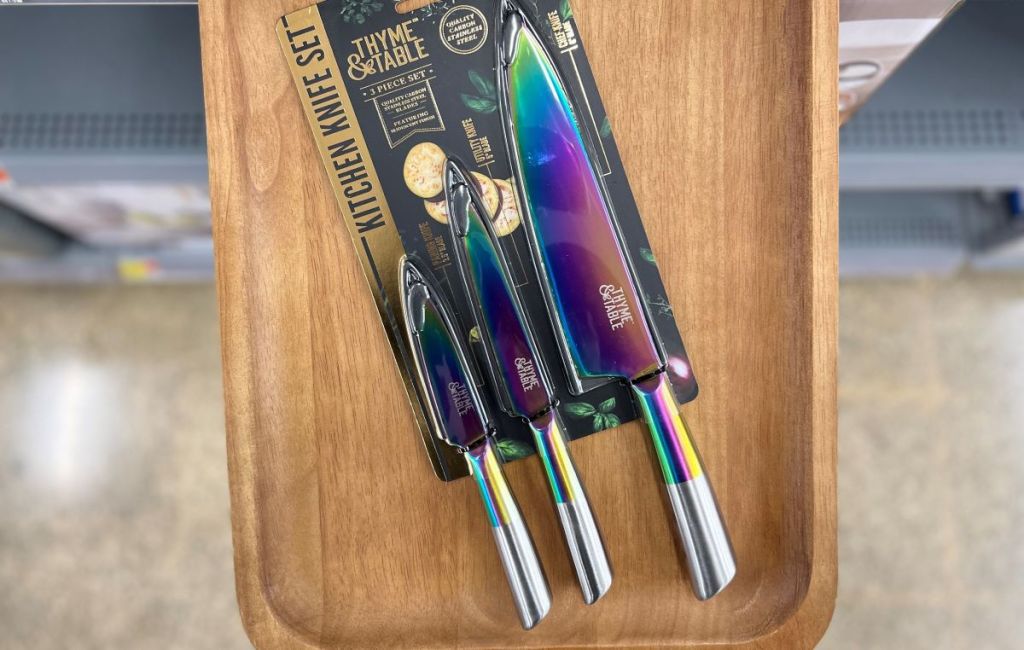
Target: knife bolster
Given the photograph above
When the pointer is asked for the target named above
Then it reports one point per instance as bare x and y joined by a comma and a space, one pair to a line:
676, 452
518, 556
552, 447
582, 536
699, 525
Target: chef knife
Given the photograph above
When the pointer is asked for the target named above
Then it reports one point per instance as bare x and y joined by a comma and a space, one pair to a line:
589, 284
518, 374
460, 419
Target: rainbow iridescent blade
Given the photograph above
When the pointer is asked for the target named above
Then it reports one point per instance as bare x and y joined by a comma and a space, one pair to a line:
456, 410
586, 274
513, 361
589, 283
518, 371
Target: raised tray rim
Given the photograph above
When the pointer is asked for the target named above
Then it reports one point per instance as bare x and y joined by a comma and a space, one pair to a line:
809, 619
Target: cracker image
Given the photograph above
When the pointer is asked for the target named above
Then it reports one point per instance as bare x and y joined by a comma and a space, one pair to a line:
438, 210
506, 219
424, 170
488, 191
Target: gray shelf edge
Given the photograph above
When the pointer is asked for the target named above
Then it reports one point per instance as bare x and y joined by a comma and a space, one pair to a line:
926, 171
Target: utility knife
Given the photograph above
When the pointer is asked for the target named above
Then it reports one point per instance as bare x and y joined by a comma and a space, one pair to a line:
518, 373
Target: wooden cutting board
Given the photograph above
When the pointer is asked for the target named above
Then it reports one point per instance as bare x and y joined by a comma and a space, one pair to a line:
726, 117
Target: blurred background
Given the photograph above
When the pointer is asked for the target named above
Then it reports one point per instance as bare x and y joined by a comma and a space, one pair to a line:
114, 522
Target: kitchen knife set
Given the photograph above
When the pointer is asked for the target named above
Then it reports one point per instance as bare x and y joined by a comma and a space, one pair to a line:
594, 306
372, 80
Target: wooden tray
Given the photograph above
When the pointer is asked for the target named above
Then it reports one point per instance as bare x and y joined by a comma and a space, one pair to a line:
726, 116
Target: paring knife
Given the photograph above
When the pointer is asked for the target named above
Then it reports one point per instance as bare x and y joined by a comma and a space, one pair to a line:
591, 292
518, 373
460, 419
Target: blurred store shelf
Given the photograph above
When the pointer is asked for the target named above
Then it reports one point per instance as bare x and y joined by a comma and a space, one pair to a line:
887, 233
952, 117
103, 171
102, 145
76, 263
875, 38
931, 168
116, 96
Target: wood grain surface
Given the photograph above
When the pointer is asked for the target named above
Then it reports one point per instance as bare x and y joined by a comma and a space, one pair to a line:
725, 114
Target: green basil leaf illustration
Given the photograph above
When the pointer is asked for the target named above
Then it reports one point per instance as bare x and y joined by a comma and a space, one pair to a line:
648, 255
607, 405
513, 449
611, 421
479, 104
580, 410
483, 85
566, 10
606, 128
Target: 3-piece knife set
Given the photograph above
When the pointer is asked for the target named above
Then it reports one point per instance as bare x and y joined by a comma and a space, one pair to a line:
478, 311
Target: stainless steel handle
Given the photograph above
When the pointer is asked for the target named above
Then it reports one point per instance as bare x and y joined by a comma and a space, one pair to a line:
706, 544
525, 575
582, 536
709, 553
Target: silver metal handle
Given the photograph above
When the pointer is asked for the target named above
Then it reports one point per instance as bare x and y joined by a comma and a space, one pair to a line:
515, 546
708, 551
705, 541
582, 536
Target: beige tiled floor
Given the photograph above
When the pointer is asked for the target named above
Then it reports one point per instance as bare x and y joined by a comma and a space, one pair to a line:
114, 527
113, 498
931, 464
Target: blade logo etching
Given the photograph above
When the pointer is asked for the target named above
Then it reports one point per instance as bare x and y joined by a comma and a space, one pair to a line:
616, 306
527, 373
460, 397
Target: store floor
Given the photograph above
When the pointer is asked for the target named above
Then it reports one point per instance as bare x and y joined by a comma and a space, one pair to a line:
114, 525
931, 465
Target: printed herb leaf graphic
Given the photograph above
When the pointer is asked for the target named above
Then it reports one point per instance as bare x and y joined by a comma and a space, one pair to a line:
435, 8
660, 304
565, 10
357, 10
580, 410
602, 415
486, 99
606, 128
648, 255
483, 85
513, 449
479, 104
